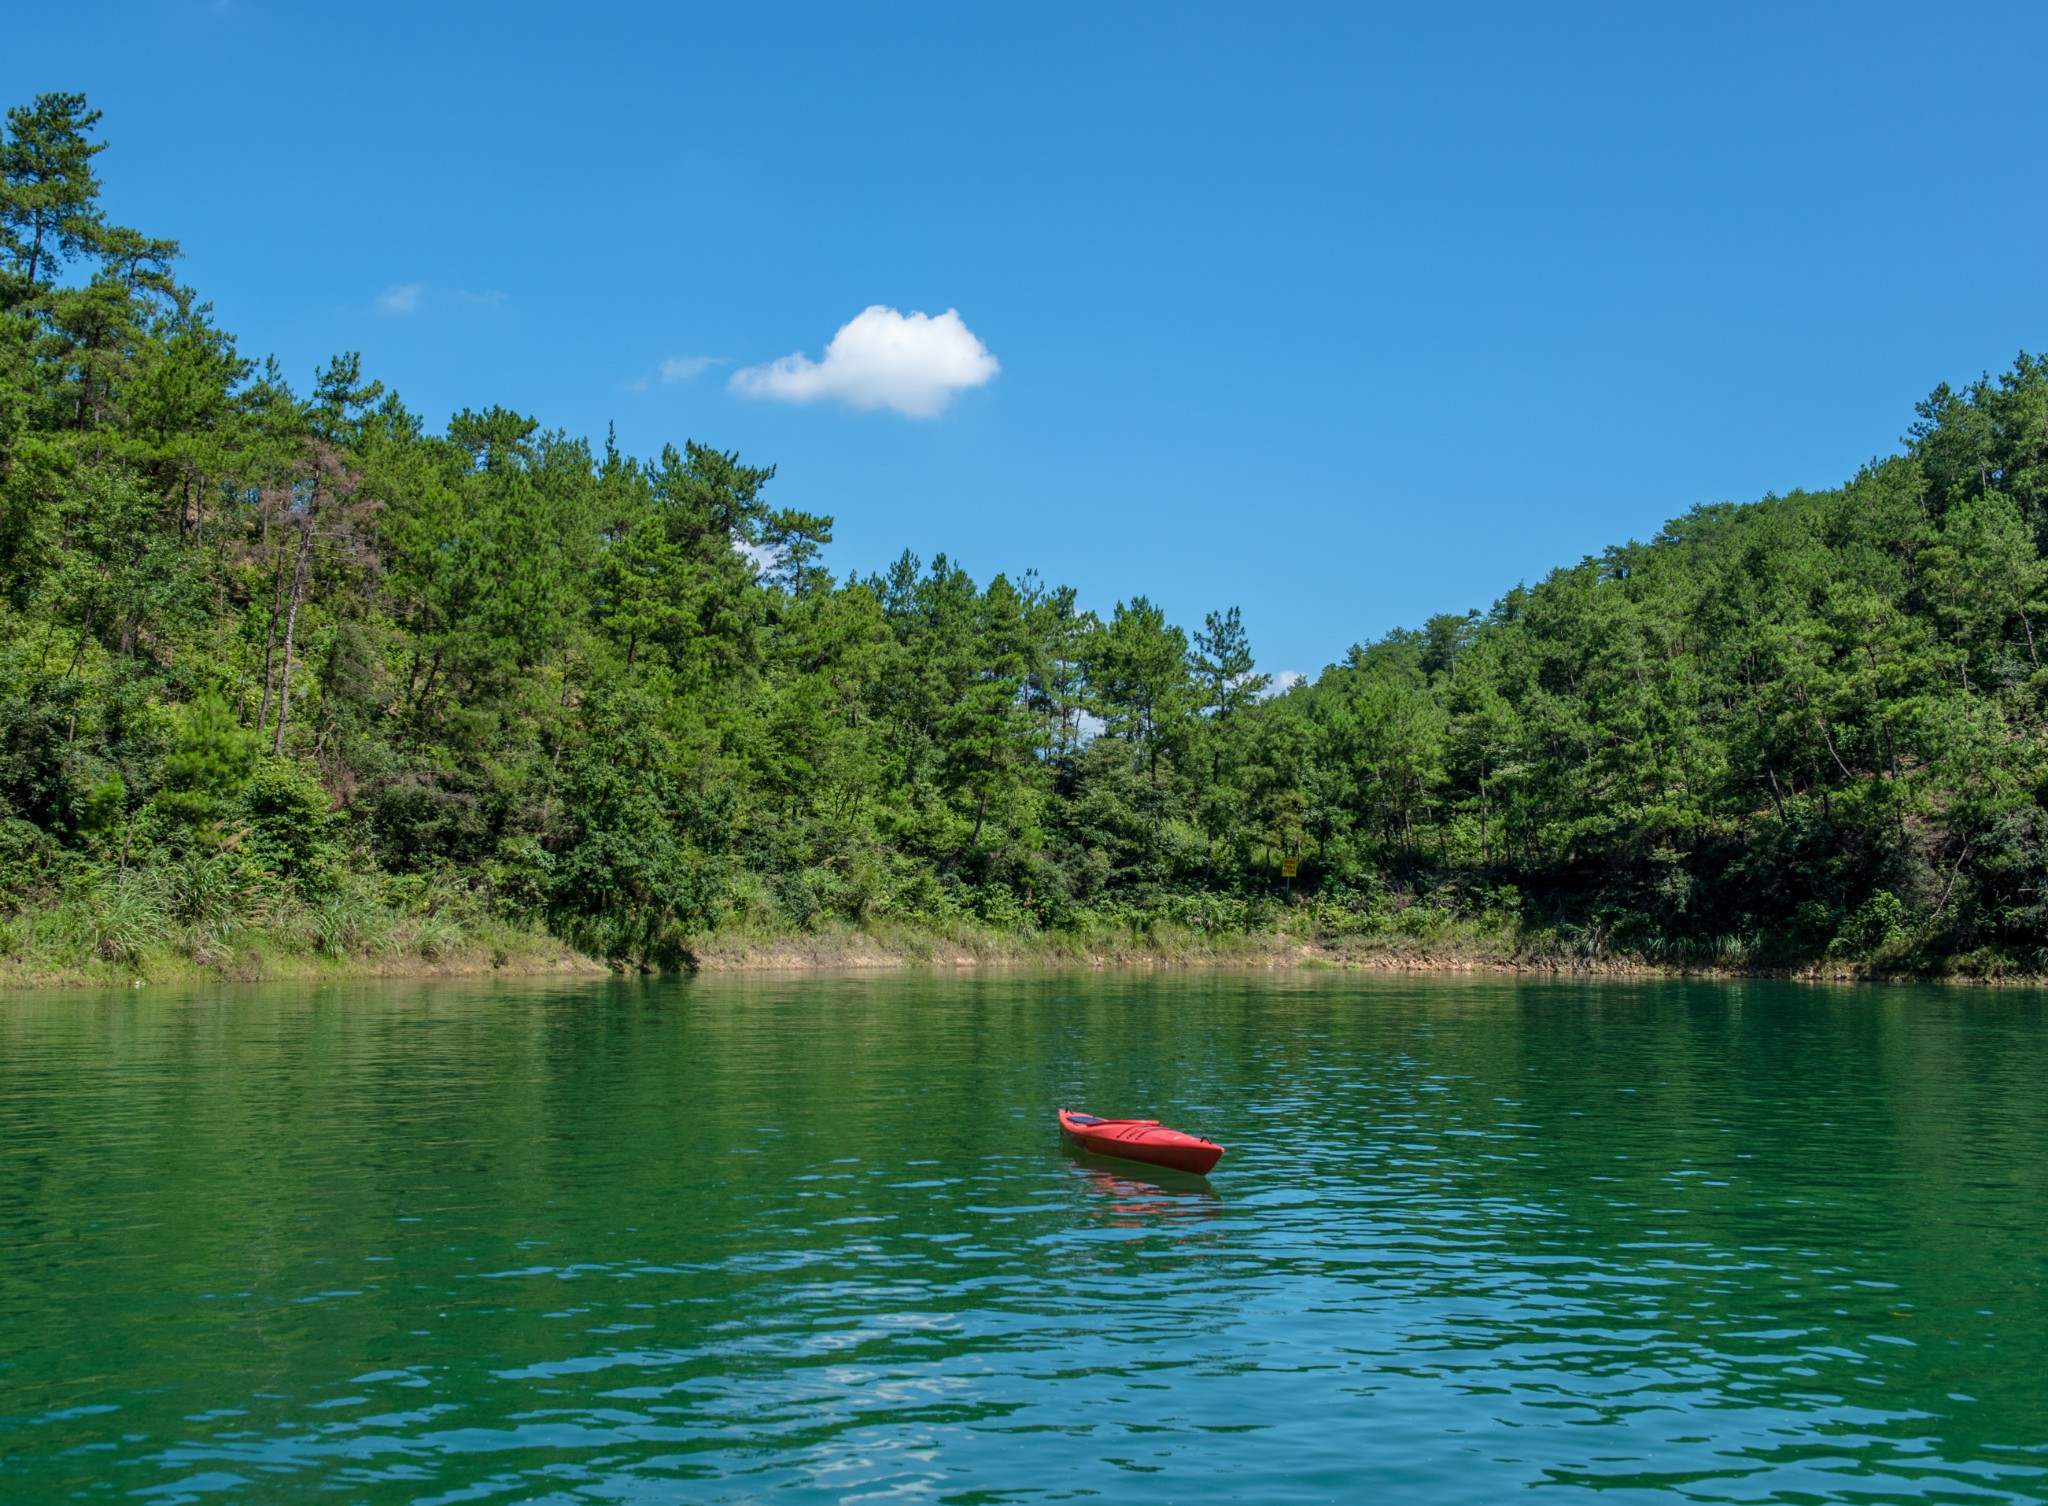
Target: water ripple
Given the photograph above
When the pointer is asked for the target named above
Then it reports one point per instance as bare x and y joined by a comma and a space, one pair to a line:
815, 1241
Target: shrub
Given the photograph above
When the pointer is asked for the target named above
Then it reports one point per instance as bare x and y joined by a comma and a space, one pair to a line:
215, 892
1877, 923
291, 822
117, 919
348, 923
27, 858
211, 758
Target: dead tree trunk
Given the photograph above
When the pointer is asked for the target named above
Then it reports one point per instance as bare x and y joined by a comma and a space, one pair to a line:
270, 640
291, 623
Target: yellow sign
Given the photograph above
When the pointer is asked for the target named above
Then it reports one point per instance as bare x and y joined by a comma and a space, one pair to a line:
1289, 867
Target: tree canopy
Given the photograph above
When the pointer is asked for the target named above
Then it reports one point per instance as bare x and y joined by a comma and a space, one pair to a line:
299, 639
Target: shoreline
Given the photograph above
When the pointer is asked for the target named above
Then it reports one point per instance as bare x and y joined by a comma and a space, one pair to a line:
796, 955
876, 950
256, 966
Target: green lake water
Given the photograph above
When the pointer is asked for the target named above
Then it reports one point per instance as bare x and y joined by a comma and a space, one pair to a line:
817, 1240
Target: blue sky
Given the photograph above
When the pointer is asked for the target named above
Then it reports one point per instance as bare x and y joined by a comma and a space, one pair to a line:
1345, 315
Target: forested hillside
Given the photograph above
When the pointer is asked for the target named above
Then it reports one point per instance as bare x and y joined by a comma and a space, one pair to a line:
280, 666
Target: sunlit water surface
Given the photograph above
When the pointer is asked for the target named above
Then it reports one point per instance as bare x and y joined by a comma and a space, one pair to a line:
817, 1240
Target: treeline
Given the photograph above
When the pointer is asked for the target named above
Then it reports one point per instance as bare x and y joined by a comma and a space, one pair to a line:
285, 659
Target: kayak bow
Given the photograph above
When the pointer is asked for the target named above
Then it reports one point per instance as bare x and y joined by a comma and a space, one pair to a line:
1144, 1140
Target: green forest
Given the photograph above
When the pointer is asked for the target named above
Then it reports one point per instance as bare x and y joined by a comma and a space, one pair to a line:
286, 674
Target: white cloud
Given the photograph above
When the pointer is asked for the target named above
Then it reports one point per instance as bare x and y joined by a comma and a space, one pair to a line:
913, 363
682, 368
1285, 681
401, 298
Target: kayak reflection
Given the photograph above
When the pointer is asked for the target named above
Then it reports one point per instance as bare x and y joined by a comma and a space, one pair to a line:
1136, 1196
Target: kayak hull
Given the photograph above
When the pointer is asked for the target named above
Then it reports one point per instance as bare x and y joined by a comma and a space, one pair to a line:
1145, 1140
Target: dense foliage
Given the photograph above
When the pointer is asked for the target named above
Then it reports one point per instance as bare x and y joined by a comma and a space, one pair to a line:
285, 654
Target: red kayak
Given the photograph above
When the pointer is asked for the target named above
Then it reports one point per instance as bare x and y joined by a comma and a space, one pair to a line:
1142, 1140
